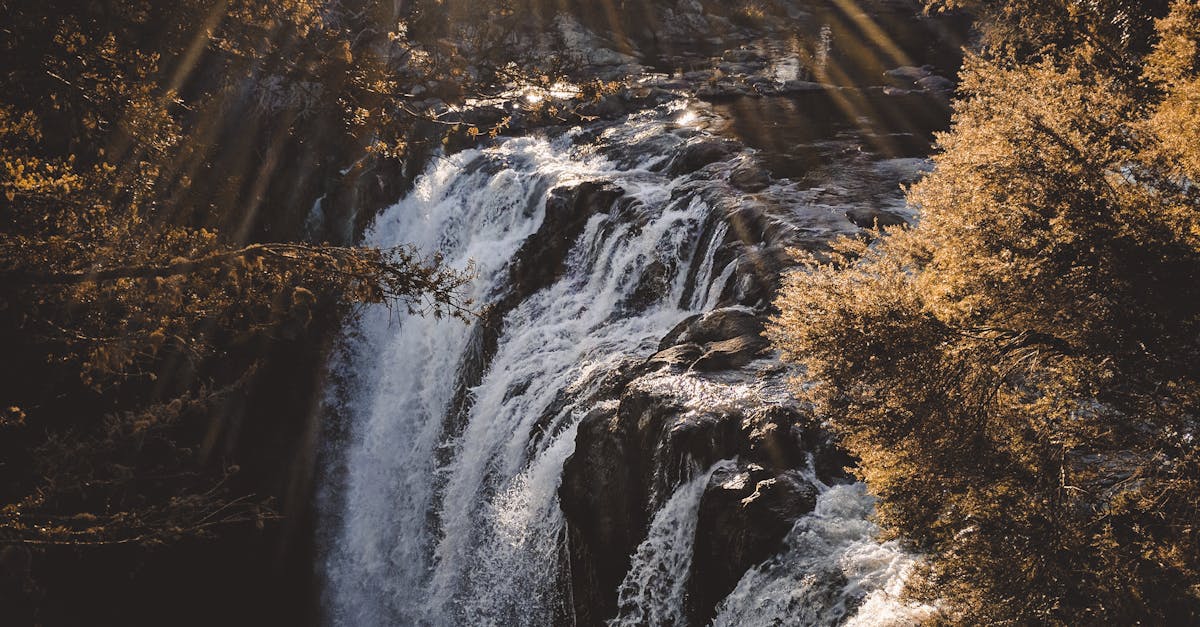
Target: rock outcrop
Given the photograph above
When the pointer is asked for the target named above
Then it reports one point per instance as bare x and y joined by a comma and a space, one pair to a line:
744, 515
678, 413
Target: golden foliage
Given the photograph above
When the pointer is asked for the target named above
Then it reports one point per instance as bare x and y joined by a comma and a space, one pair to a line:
138, 288
1020, 372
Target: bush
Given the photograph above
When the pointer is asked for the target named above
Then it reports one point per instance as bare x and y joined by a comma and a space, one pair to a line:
1019, 372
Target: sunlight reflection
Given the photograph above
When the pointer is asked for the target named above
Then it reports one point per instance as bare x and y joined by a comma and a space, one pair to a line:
560, 90
687, 118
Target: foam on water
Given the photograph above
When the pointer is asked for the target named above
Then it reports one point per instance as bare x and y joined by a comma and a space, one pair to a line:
832, 572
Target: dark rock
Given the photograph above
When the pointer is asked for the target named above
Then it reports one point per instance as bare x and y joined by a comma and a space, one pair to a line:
936, 84
608, 387
907, 75
747, 222
797, 86
744, 515
629, 457
541, 259
603, 500
733, 353
756, 278
777, 439
654, 283
682, 355
702, 152
672, 336
651, 96
608, 107
720, 325
783, 437
743, 55
749, 177
740, 68
869, 217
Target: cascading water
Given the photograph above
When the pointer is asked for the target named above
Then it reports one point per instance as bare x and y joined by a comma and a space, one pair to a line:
467, 527
832, 572
653, 590
444, 513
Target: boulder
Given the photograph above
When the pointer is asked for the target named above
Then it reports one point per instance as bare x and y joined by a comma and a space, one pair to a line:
733, 353
673, 336
681, 356
702, 152
745, 514
718, 325
749, 177
869, 217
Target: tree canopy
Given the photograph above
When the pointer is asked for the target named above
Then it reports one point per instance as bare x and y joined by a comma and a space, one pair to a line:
151, 241
1019, 372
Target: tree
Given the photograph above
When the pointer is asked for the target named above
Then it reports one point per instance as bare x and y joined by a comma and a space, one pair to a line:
1019, 373
139, 293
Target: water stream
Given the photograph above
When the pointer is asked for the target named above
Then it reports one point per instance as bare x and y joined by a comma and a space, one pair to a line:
436, 520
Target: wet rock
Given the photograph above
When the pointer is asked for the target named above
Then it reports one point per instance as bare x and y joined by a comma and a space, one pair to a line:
870, 217
702, 152
629, 457
654, 283
717, 326
907, 75
603, 500
673, 336
784, 437
733, 353
747, 222
743, 55
797, 86
650, 96
749, 177
541, 259
777, 439
740, 68
756, 278
744, 515
936, 84
681, 356
720, 340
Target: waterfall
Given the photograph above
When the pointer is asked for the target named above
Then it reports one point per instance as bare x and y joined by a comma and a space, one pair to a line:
653, 590
464, 527
443, 512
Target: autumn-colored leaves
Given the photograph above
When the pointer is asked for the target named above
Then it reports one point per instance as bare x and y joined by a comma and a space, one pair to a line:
1020, 372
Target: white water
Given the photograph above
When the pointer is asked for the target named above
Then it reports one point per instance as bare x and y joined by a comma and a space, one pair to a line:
833, 572
462, 526
490, 553
653, 590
